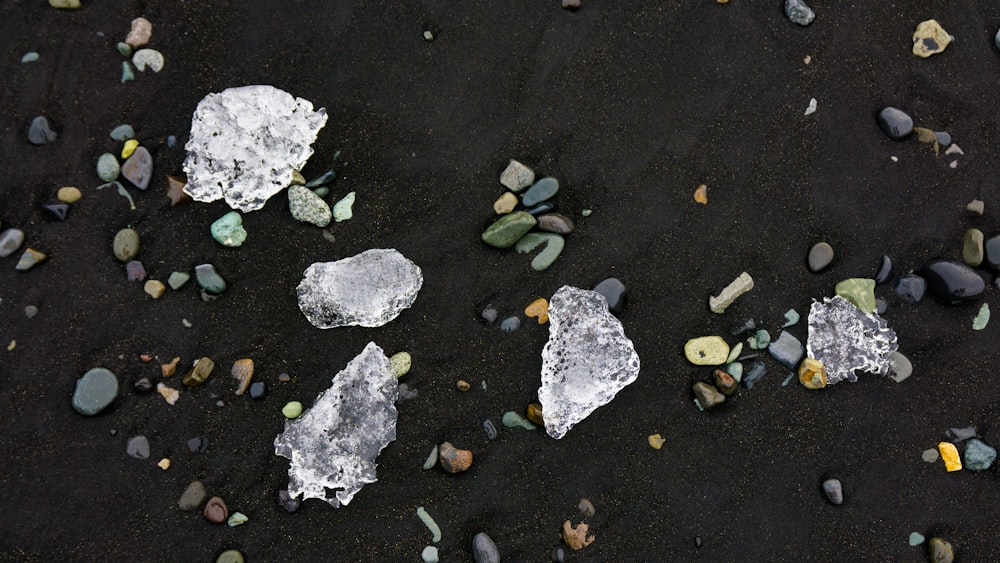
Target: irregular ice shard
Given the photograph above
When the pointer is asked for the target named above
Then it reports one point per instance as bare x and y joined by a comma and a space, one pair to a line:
845, 338
335, 443
586, 362
245, 142
369, 289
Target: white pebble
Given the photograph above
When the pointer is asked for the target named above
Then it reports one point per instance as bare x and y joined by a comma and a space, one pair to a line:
812, 107
430, 554
148, 57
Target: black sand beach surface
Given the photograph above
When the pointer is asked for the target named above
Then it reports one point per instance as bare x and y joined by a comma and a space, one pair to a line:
631, 106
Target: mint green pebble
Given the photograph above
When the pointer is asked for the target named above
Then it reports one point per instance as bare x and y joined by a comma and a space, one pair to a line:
512, 420
982, 318
230, 556
292, 409
342, 209
178, 279
127, 73
734, 353
322, 191
123, 133
553, 247
237, 519
29, 57
916, 539
735, 369
108, 167
124, 49
228, 230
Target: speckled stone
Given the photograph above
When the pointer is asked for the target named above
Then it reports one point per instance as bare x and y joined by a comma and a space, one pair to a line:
126, 244
97, 389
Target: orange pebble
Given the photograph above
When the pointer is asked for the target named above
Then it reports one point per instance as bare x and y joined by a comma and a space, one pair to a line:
145, 358
701, 194
538, 308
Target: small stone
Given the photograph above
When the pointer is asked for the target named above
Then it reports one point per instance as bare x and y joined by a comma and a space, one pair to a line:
943, 138
30, 311
143, 385
930, 456
148, 58
655, 441
586, 507
489, 315
615, 293
916, 539
126, 244
399, 364
95, 391
169, 394
820, 256
484, 550
192, 497
895, 123
534, 414
734, 353
30, 259
701, 194
288, 502
505, 203
209, 279
127, 73
107, 167
513, 420
139, 33
859, 291
724, 382
706, 351
40, 132
69, 194
29, 57
742, 284
429, 36
760, 340
138, 169
541, 209
242, 372
755, 371
342, 209
953, 280
510, 324
491, 429
462, 385
576, 538
135, 270
129, 148
164, 463
216, 510
307, 207
124, 49
940, 551
786, 349
228, 230
707, 395
555, 223
540, 191
230, 556
910, 288
553, 245
884, 270
321, 180
881, 306
982, 318
430, 553
122, 133
507, 230
929, 38
992, 252
539, 308
292, 410
517, 176
452, 459
284, 377
799, 12
178, 279
976, 207
175, 191
812, 374
10, 241
237, 519
586, 212
811, 108
197, 445
978, 456
572, 5
834, 491
957, 435
154, 288
257, 390
138, 447
55, 211
972, 247
200, 372
949, 454
322, 191
297, 179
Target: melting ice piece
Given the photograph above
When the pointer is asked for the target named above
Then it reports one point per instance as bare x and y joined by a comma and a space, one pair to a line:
335, 443
245, 142
587, 360
845, 338
369, 289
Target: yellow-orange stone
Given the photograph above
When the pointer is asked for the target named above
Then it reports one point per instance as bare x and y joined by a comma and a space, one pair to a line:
535, 414
949, 454
701, 194
812, 374
168, 369
69, 194
538, 308
164, 464
656, 441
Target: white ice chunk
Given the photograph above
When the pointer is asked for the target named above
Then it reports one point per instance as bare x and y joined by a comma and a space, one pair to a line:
335, 443
586, 362
369, 289
245, 142
845, 339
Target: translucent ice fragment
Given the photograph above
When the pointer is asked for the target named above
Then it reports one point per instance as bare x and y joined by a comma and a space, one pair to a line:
369, 289
845, 339
335, 443
587, 360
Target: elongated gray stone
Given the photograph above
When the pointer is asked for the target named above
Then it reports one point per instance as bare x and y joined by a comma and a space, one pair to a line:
95, 391
953, 280
742, 284
540, 191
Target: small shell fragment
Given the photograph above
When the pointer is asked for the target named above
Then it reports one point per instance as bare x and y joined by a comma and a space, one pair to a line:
243, 372
168, 393
148, 57
169, 369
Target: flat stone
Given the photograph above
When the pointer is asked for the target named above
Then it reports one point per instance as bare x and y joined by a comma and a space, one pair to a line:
122, 132
154, 288
507, 230
517, 176
55, 211
192, 497
786, 349
65, 4
895, 123
799, 12
148, 58
68, 194
929, 38
541, 209
900, 367
884, 271
40, 132
138, 447
553, 248
228, 230
216, 510
754, 372
615, 292
139, 33
929, 455
321, 180
991, 249
230, 556
953, 280
540, 191
910, 288
972, 247
949, 454
95, 391
342, 210
178, 279
957, 435
940, 551
706, 351
135, 270
484, 550
126, 244
10, 241
199, 373
209, 279
308, 207
30, 259
859, 291
555, 223
138, 169
834, 491
505, 203
742, 284
820, 256
978, 456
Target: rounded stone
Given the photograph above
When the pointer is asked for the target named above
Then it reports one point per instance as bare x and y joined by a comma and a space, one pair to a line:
400, 363
292, 409
991, 249
505, 203
820, 256
900, 367
40, 132
454, 460
95, 391
107, 167
555, 223
972, 247
895, 123
940, 551
953, 280
69, 194
834, 491
307, 207
230, 556
859, 291
216, 511
192, 496
706, 351
209, 279
123, 132
138, 447
540, 191
10, 241
126, 244
507, 230
228, 230
978, 456
484, 550
910, 288
154, 288
429, 554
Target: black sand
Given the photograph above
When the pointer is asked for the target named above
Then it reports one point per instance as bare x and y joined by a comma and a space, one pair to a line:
630, 106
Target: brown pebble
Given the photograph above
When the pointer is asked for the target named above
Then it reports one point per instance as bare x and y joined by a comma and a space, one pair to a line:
576, 538
724, 382
535, 414
454, 460
216, 511
168, 369
175, 191
585, 507
463, 385
243, 372
199, 373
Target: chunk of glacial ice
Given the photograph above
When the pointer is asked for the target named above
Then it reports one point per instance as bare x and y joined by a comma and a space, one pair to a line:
245, 142
335, 443
587, 360
368, 289
845, 339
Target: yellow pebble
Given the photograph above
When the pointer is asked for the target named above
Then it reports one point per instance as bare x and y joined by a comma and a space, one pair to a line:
164, 464
129, 148
538, 308
656, 441
949, 453
12, 345
68, 194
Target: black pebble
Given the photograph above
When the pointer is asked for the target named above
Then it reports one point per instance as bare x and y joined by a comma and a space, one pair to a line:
56, 211
143, 385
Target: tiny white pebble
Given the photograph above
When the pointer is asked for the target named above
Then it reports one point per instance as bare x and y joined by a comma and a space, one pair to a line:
428, 36
812, 107
894, 159
807, 60
954, 164
186, 323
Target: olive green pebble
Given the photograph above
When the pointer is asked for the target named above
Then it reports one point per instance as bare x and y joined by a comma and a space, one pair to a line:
108, 167
126, 244
230, 556
859, 291
292, 409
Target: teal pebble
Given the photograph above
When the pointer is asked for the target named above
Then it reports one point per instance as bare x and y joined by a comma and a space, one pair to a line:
916, 539
512, 420
791, 317
978, 456
124, 49
760, 340
540, 191
178, 279
553, 247
209, 279
95, 391
127, 73
108, 167
228, 230
342, 209
29, 57
123, 133
735, 369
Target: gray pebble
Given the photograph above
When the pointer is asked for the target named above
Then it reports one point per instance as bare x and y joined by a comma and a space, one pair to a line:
899, 367
40, 132
484, 550
30, 311
798, 12
615, 293
910, 288
489, 315
820, 256
961, 434
490, 428
192, 497
786, 349
834, 491
138, 447
510, 324
257, 390
287, 502
895, 123
884, 270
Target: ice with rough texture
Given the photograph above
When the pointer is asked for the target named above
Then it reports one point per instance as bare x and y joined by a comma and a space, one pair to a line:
335, 443
587, 360
245, 142
845, 339
369, 289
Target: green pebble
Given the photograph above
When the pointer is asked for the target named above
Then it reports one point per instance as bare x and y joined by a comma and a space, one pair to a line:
95, 391
512, 420
29, 57
124, 49
126, 244
322, 191
127, 73
859, 291
586, 212
432, 459
123, 133
553, 247
978, 456
178, 279
399, 364
734, 353
292, 409
228, 230
108, 167
342, 209
507, 230
972, 247
209, 279
760, 340
916, 539
230, 556
983, 318
237, 519
791, 318
735, 369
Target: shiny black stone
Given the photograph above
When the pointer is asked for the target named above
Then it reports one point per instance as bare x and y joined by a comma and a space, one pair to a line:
55, 211
953, 280
991, 251
615, 292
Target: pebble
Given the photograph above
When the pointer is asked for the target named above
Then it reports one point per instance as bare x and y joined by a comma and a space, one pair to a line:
169, 394
724, 382
230, 556
237, 519
505, 203
143, 385
930, 455
834, 491
507, 230
949, 454
940, 551
307, 207
452, 459
30, 311
701, 194
754, 372
729, 294
991, 248
513, 420
615, 293
40, 132
786, 349
209, 279
895, 123
534, 413
541, 209
943, 138
976, 207
139, 33
432, 458
138, 447
956, 435
30, 259
148, 58
228, 230
126, 244
284, 377
812, 374
540, 191
242, 372
489, 315
539, 308
820, 256
760, 340
171, 141
884, 270
430, 523
745, 326
29, 57
573, 5
586, 507
791, 318
216, 510
554, 245
178, 279
399, 364
799, 12
929, 38
192, 497
972, 247
916, 539
484, 550
138, 169
978, 456
129, 148
910, 288
321, 180
881, 306
292, 409
510, 324
154, 288
288, 502
175, 191
69, 194
10, 241
135, 270
55, 211
95, 391
430, 553
342, 210
122, 133
127, 73
491, 429
707, 395
576, 538
65, 4
164, 463
197, 445
706, 351
257, 390
517, 176
982, 318
859, 291
655, 441
555, 223
199, 373
953, 280
124, 49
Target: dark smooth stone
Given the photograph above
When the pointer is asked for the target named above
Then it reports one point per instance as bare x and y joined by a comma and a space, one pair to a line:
910, 288
746, 326
287, 502
540, 191
40, 132
484, 550
216, 511
135, 271
56, 211
138, 447
197, 445
820, 256
895, 123
171, 141
991, 250
953, 280
257, 390
615, 292
555, 223
943, 138
961, 434
323, 179
541, 208
753, 372
834, 491
884, 270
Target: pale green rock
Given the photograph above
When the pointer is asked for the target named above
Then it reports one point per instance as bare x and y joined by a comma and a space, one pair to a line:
734, 353
760, 340
322, 191
108, 167
127, 73
513, 420
237, 519
65, 4
507, 230
230, 556
95, 391
916, 539
29, 57
126, 244
342, 209
399, 364
209, 279
859, 291
978, 456
122, 133
432, 459
735, 369
791, 317
983, 318
124, 49
553, 247
972, 247
292, 409
178, 279
586, 212
308, 207
228, 230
